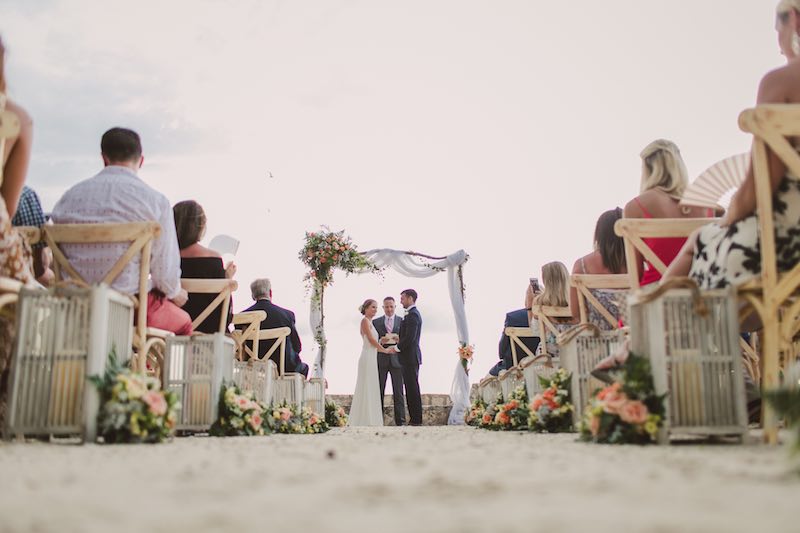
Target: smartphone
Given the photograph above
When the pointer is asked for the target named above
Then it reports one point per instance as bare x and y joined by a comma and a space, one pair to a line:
535, 284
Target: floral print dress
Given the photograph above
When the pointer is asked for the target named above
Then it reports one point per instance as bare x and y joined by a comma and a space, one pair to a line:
732, 255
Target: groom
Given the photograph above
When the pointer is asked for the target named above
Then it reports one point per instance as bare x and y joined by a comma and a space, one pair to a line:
410, 354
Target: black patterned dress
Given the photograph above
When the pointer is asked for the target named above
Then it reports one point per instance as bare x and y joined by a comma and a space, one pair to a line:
732, 255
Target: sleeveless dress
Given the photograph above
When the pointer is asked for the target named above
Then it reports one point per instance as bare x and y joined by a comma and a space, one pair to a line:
732, 255
611, 299
665, 248
366, 408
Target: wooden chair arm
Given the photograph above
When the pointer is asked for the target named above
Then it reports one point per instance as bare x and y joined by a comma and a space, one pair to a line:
31, 234
208, 286
249, 317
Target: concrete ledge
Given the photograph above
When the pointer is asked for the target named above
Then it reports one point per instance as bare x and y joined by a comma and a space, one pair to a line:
435, 408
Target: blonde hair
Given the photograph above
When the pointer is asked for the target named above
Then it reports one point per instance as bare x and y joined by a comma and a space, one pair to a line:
663, 168
786, 5
556, 285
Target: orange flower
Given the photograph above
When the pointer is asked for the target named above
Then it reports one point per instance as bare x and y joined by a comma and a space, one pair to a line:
634, 412
487, 418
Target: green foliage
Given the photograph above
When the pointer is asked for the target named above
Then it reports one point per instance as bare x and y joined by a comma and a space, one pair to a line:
551, 410
239, 414
334, 415
327, 250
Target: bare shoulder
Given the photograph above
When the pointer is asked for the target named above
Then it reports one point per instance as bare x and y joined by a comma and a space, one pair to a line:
632, 209
24, 118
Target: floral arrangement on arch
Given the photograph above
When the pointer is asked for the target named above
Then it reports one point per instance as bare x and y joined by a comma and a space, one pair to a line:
465, 353
239, 414
326, 250
551, 410
628, 411
133, 408
335, 415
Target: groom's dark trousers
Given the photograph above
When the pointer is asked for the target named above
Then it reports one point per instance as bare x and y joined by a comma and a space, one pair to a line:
411, 358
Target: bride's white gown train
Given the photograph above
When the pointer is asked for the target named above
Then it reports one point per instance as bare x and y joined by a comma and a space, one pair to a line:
366, 407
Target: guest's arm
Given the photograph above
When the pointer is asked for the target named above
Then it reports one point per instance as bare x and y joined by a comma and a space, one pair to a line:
294, 337
573, 294
632, 210
16, 165
743, 204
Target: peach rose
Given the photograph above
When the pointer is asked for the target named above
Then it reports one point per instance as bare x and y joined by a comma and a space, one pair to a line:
634, 412
256, 421
537, 403
611, 389
286, 414
487, 418
156, 402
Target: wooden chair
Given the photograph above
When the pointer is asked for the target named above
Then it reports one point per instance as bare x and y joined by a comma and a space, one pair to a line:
222, 288
585, 283
140, 235
31, 234
634, 230
773, 295
515, 336
247, 338
546, 314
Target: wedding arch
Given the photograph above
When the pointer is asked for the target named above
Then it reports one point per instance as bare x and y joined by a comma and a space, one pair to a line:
325, 251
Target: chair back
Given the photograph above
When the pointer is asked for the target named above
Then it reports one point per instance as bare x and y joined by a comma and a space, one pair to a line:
222, 288
634, 230
250, 333
31, 234
585, 283
773, 126
140, 235
515, 335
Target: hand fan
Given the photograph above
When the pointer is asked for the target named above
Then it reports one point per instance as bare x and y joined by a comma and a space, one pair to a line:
224, 244
716, 185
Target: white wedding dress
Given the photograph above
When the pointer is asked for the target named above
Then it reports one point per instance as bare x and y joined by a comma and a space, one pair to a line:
366, 407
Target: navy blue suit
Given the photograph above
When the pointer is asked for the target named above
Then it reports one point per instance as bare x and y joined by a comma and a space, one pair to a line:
410, 359
278, 317
515, 319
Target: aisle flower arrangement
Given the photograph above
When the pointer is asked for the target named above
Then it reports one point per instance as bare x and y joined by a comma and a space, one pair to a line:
465, 353
289, 419
133, 408
475, 414
628, 411
551, 410
335, 416
513, 414
239, 414
490, 413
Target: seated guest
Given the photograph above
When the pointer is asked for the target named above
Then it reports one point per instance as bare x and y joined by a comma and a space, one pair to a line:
118, 195
555, 278
608, 257
30, 213
199, 262
664, 178
728, 252
519, 319
277, 317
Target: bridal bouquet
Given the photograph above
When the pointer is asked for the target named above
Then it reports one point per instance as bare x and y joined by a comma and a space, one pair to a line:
325, 250
133, 409
551, 410
628, 411
240, 414
335, 415
465, 352
475, 413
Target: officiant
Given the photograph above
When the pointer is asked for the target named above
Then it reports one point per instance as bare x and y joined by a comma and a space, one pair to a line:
388, 327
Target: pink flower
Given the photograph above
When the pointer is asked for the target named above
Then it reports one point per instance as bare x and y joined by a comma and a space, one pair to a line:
256, 421
156, 402
313, 420
242, 402
286, 414
594, 425
634, 412
611, 389
487, 418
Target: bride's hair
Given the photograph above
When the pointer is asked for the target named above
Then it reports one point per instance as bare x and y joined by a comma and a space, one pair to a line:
367, 303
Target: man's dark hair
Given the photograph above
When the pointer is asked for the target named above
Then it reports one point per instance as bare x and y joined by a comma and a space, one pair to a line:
121, 145
411, 293
389, 298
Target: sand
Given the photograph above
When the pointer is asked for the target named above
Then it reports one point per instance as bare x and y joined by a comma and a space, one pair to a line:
397, 479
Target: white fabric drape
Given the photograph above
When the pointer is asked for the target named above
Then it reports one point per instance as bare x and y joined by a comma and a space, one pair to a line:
416, 266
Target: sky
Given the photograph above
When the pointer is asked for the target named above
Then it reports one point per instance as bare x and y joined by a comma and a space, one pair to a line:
503, 128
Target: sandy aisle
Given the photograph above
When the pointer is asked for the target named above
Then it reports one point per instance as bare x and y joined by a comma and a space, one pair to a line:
396, 479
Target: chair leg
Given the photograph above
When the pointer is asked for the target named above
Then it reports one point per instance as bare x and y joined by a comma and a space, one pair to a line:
769, 377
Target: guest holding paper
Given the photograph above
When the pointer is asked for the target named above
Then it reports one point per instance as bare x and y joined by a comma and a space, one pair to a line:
664, 178
199, 262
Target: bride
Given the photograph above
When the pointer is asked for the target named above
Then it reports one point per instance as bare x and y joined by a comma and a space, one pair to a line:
366, 408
